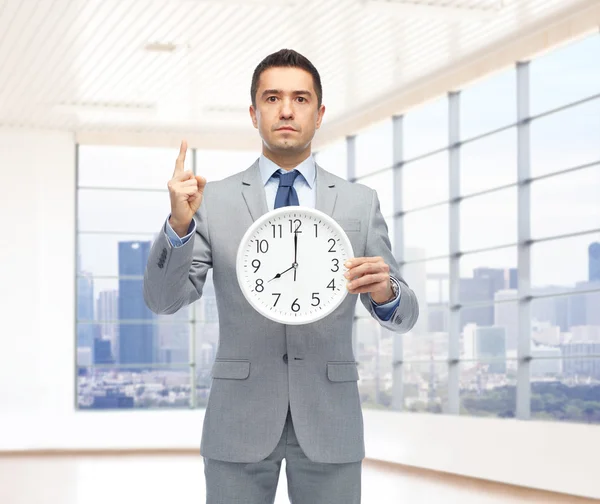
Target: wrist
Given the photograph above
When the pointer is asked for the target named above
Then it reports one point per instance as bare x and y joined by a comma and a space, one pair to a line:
179, 228
387, 296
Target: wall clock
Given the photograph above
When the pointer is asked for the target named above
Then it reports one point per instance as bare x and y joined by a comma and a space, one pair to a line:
290, 264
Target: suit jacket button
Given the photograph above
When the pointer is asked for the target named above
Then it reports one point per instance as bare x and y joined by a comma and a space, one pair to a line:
285, 358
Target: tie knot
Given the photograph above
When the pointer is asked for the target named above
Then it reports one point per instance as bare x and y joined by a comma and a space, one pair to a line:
286, 179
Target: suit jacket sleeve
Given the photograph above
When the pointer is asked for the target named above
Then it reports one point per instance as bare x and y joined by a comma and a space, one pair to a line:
406, 314
174, 276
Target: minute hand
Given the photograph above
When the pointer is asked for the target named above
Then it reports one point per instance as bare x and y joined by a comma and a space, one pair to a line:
295, 252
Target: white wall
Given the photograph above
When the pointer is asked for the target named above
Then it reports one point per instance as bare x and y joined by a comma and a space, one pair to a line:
37, 354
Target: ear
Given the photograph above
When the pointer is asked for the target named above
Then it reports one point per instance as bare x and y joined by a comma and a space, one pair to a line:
320, 114
253, 116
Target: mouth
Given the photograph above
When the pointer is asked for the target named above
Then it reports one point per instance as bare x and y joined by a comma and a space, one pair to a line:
286, 129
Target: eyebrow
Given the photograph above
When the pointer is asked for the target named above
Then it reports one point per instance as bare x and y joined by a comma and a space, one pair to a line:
278, 91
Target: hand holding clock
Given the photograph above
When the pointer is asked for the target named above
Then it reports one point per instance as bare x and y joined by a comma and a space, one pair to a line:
369, 274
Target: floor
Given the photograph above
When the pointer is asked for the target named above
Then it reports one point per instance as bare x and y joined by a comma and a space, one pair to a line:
179, 479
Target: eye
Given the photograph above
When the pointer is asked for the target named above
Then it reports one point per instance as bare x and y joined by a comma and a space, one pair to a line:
301, 98
271, 97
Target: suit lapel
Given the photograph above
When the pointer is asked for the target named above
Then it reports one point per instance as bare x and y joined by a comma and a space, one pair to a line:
326, 191
253, 192
255, 197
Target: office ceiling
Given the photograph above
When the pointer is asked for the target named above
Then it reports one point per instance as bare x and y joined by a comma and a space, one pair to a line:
150, 71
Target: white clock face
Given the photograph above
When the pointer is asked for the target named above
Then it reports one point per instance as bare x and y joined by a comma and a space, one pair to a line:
290, 264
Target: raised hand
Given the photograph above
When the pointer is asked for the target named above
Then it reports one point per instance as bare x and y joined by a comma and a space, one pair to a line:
185, 191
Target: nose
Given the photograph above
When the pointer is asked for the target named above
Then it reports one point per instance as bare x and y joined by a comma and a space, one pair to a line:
287, 111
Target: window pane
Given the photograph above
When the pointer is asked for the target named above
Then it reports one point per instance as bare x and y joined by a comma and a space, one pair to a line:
499, 319
425, 387
374, 148
429, 281
122, 211
334, 158
383, 184
565, 75
488, 388
489, 104
123, 342
566, 203
561, 264
118, 166
425, 128
117, 388
219, 164
374, 352
489, 162
489, 220
567, 389
566, 139
485, 274
427, 230
562, 320
101, 254
425, 181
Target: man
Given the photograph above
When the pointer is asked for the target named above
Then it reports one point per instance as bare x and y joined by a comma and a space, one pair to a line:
278, 391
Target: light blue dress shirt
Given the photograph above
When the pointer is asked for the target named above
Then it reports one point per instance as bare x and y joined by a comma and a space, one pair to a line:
305, 188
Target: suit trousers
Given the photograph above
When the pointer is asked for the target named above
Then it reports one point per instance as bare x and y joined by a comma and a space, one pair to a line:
308, 482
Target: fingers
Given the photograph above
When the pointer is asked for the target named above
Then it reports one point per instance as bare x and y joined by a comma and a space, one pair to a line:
179, 163
368, 283
360, 266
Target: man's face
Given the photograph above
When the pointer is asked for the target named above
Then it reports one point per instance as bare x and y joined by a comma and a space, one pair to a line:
286, 98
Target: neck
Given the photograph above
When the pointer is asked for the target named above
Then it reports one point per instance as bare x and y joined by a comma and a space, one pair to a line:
287, 161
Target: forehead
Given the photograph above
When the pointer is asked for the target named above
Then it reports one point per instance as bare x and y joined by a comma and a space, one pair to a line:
285, 78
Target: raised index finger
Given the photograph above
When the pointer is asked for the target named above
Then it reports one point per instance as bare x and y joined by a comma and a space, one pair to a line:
180, 159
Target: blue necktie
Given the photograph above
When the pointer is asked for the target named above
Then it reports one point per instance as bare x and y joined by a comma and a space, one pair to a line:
286, 194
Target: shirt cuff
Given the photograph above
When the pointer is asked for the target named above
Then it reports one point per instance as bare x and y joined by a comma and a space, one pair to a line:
174, 238
384, 311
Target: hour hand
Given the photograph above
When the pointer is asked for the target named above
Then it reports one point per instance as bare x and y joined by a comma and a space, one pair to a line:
279, 274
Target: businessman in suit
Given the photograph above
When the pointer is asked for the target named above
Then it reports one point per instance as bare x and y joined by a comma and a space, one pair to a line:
278, 391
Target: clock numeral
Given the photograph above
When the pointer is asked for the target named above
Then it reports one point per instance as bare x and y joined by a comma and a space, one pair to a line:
337, 265
262, 246
332, 245
274, 226
297, 223
315, 296
316, 231
259, 285
295, 306
256, 265
278, 294
331, 285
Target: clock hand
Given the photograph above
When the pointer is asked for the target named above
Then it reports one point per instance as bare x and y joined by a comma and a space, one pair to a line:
295, 252
279, 274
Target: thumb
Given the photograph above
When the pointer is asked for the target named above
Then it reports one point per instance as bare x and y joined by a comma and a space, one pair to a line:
201, 182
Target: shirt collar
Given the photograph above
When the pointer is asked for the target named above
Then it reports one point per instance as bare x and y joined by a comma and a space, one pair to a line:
307, 169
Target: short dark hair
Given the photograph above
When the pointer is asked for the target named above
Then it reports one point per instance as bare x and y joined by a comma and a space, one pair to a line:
286, 58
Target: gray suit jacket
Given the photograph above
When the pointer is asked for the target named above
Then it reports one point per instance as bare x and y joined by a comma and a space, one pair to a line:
262, 365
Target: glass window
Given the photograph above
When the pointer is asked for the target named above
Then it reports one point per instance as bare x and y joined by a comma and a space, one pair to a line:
374, 148
561, 264
334, 158
425, 181
488, 388
498, 321
489, 162
383, 183
425, 387
489, 219
122, 211
219, 164
565, 74
425, 128
489, 104
124, 167
566, 389
428, 230
566, 203
566, 139
114, 387
487, 274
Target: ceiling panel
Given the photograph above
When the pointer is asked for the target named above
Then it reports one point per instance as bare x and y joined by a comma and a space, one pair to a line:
82, 65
